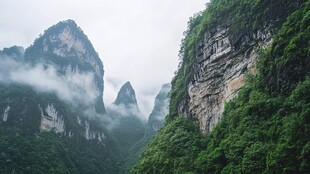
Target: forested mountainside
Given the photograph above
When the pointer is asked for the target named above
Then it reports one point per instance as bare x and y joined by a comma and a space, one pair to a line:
240, 100
155, 122
53, 118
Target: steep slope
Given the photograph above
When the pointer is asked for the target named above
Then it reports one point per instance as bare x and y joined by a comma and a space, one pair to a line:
265, 128
157, 117
155, 122
126, 95
221, 46
128, 126
68, 49
51, 96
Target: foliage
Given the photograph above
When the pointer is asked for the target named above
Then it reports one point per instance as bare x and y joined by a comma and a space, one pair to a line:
25, 149
36, 154
172, 149
240, 16
289, 58
259, 132
47, 152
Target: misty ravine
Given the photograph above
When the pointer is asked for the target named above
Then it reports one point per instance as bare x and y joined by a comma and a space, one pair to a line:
238, 103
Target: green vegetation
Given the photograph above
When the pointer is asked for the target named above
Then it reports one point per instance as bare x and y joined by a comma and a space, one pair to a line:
47, 152
240, 16
263, 130
172, 149
155, 122
24, 149
289, 58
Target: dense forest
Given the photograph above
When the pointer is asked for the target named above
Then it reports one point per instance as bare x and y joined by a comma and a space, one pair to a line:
265, 129
26, 149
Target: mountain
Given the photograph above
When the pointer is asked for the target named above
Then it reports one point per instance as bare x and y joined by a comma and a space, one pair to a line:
239, 101
53, 119
68, 49
126, 95
157, 117
15, 52
155, 122
129, 125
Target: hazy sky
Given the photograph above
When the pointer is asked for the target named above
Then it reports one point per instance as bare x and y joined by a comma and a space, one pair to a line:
137, 40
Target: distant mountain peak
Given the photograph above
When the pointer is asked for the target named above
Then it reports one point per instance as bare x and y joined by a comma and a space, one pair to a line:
126, 95
64, 39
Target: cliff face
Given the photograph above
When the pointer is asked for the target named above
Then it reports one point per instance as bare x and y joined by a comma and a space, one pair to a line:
221, 64
223, 55
65, 47
263, 129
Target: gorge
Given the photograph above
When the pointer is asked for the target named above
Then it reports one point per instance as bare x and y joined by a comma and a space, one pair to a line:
238, 103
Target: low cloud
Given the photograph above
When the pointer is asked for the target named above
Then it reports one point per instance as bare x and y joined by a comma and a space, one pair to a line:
74, 86
125, 111
118, 112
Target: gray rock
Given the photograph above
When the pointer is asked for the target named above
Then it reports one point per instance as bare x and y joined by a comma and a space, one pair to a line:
221, 62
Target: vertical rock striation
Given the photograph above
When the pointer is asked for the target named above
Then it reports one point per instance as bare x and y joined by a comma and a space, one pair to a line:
221, 64
224, 53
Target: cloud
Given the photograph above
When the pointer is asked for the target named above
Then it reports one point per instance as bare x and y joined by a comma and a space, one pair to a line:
118, 112
137, 40
74, 86
122, 110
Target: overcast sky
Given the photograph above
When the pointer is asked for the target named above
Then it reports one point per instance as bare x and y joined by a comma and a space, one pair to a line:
137, 40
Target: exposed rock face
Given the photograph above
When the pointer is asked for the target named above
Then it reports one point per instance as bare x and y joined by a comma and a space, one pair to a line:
221, 63
157, 117
89, 132
51, 120
6, 114
68, 49
224, 53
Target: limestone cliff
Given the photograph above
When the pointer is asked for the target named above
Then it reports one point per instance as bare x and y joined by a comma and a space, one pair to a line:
223, 55
65, 101
65, 47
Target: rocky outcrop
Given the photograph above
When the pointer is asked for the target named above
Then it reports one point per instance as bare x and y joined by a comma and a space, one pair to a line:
65, 47
224, 54
221, 63
89, 132
6, 114
51, 120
